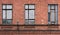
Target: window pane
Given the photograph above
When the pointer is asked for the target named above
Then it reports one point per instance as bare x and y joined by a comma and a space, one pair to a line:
52, 15
26, 14
9, 6
31, 6
31, 14
4, 6
31, 21
56, 16
56, 10
26, 21
48, 17
9, 21
26, 6
4, 21
4, 14
48, 8
52, 6
9, 14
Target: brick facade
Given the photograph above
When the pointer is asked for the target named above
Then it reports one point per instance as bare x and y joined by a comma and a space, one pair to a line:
41, 13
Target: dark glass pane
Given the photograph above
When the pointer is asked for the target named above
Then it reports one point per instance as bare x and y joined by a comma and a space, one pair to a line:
26, 21
4, 21
9, 21
31, 22
48, 17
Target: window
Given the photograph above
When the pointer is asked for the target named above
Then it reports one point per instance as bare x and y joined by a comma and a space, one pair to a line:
29, 13
7, 14
53, 13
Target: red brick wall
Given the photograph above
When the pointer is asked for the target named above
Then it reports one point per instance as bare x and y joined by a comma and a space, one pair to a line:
41, 11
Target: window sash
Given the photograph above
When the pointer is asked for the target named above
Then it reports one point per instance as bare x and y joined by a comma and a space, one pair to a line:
7, 21
29, 14
29, 21
7, 6
52, 14
27, 6
7, 14
31, 7
52, 7
4, 14
26, 14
